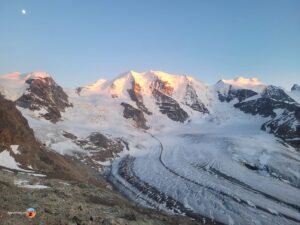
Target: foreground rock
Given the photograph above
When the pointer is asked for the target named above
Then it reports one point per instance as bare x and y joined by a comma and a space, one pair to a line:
72, 203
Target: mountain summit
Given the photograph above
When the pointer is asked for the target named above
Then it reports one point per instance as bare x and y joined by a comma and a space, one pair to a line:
243, 82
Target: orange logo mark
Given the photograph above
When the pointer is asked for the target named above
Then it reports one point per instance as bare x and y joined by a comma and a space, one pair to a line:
30, 213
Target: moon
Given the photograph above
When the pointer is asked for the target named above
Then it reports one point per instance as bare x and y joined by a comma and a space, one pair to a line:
23, 11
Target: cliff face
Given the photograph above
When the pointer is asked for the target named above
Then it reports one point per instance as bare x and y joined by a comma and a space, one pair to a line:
44, 93
136, 96
191, 99
167, 105
240, 94
136, 115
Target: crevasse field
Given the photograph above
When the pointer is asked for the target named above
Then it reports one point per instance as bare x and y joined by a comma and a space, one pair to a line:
224, 168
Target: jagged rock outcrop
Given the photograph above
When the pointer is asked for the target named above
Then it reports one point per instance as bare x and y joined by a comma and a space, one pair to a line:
163, 86
137, 97
167, 105
284, 112
295, 87
136, 115
263, 106
78, 90
191, 99
102, 148
239, 94
277, 94
44, 94
286, 126
270, 99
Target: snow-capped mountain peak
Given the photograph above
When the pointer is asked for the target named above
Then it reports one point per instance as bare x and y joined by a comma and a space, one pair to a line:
89, 89
36, 91
118, 87
178, 97
239, 87
36, 75
14, 85
243, 81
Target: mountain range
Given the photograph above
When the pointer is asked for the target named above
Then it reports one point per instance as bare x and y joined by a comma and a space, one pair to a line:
226, 153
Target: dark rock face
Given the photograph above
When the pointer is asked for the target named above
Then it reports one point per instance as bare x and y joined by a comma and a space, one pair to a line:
99, 140
167, 105
162, 86
264, 106
297, 113
271, 98
240, 94
170, 107
108, 147
192, 100
100, 148
45, 94
69, 135
284, 125
277, 94
277, 125
295, 87
135, 95
78, 90
137, 115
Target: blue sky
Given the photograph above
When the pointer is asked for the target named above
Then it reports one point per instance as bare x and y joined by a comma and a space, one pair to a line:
79, 41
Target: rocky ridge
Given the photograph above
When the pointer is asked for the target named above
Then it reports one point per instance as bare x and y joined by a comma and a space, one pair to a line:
272, 102
83, 204
44, 95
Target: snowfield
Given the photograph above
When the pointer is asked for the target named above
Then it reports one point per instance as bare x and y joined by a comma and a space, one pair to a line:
25, 184
7, 161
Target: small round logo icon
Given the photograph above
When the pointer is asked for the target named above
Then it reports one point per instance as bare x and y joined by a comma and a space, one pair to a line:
30, 213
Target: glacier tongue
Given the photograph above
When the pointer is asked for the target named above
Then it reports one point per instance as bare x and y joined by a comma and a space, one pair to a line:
230, 172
